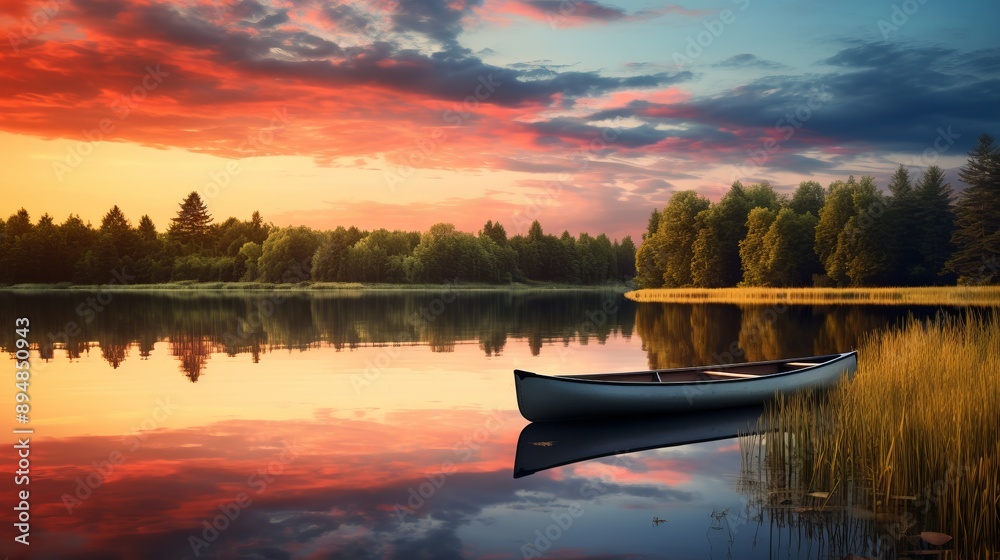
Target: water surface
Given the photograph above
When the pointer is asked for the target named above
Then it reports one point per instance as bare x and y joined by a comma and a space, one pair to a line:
381, 425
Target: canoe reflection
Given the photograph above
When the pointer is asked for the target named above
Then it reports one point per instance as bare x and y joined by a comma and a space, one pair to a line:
544, 445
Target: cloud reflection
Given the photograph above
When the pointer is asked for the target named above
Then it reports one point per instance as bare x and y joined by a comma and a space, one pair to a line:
339, 495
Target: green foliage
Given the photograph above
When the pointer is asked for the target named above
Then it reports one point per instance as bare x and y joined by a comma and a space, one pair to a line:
625, 257
379, 257
329, 261
495, 231
861, 252
447, 255
202, 268
653, 226
286, 255
715, 261
808, 197
977, 217
778, 248
755, 255
249, 257
853, 233
672, 248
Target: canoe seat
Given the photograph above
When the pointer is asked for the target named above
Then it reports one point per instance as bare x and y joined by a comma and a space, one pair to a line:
728, 374
801, 364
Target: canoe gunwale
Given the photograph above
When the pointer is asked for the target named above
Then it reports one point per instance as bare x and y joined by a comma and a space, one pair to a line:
833, 358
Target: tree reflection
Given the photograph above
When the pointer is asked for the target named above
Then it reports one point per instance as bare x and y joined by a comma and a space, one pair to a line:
677, 335
195, 324
193, 351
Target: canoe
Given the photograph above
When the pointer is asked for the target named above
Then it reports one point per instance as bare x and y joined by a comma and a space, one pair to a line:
544, 445
544, 397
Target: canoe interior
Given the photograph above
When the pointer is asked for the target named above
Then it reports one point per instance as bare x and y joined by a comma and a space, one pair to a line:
708, 373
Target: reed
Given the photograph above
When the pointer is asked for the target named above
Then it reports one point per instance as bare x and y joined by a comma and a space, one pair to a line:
913, 440
938, 295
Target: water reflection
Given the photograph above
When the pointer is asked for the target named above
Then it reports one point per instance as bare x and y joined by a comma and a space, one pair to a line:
544, 445
677, 335
414, 463
199, 325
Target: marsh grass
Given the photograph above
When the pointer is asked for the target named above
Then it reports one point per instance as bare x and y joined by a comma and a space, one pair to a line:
912, 441
941, 295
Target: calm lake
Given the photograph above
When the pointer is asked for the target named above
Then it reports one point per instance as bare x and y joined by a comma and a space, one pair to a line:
382, 425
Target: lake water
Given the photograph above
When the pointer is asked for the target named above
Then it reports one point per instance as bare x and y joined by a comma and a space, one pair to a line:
380, 425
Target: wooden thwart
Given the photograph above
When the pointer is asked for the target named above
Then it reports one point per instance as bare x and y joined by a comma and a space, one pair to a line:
728, 374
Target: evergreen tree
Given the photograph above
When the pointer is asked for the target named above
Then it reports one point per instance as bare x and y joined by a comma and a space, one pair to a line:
977, 217
935, 226
496, 232
192, 222
625, 257
115, 222
147, 231
653, 225
904, 257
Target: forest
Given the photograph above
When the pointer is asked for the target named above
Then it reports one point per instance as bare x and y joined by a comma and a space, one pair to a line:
848, 234
194, 248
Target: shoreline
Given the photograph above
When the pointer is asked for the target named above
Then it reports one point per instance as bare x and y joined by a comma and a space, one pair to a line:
309, 287
932, 295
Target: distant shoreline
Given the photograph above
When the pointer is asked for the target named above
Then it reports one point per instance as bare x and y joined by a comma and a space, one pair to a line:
932, 295
332, 287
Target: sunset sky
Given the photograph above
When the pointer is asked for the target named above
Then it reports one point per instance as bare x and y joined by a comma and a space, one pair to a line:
585, 115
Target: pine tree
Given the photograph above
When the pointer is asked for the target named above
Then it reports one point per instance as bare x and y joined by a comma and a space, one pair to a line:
115, 222
905, 262
935, 225
192, 222
147, 231
496, 232
977, 217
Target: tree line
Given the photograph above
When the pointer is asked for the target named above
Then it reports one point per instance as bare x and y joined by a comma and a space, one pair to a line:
848, 234
195, 248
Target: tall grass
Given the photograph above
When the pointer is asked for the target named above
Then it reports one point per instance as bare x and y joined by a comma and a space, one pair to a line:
912, 440
941, 295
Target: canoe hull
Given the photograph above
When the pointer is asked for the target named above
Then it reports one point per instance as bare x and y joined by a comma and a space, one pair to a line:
543, 398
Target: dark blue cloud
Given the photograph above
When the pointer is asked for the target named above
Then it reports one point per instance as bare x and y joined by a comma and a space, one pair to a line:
747, 60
